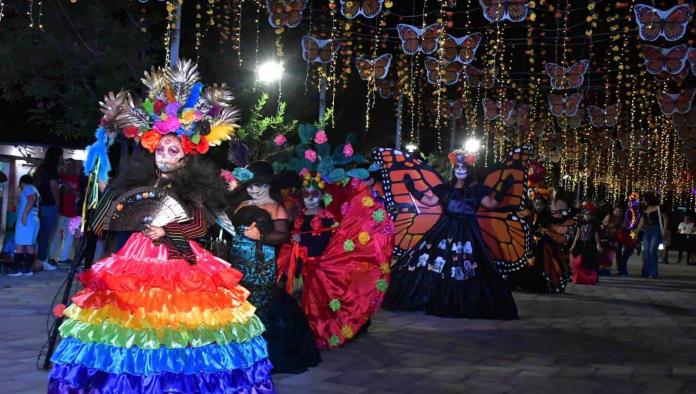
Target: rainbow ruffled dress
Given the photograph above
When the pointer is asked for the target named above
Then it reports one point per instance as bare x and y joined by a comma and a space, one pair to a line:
148, 323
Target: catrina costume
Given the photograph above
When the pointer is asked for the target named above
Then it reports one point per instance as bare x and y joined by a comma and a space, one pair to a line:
163, 314
453, 252
547, 269
291, 345
585, 253
344, 265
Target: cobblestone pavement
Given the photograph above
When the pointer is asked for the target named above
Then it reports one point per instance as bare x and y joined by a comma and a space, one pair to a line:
624, 335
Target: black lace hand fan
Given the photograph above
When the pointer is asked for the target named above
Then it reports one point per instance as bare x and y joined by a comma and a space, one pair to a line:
137, 208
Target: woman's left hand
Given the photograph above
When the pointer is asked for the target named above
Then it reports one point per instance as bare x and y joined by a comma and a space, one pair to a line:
154, 232
253, 232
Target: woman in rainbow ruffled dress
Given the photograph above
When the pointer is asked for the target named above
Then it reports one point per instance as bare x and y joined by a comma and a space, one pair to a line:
163, 314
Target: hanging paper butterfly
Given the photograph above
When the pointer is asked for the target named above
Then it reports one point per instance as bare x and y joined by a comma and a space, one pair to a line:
567, 78
442, 71
559, 105
670, 24
505, 233
671, 103
412, 219
685, 125
664, 76
478, 78
414, 39
315, 50
691, 56
608, 117
454, 108
373, 69
499, 10
460, 49
518, 116
574, 122
387, 88
671, 60
367, 8
492, 111
286, 13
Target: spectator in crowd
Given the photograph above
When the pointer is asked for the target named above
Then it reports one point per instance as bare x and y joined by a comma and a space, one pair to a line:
27, 227
47, 182
686, 232
652, 223
62, 243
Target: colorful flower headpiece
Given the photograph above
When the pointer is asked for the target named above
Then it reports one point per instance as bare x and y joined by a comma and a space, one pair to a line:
540, 192
177, 103
461, 156
312, 179
587, 206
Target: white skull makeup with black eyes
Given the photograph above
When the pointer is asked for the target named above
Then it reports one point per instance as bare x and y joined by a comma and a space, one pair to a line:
311, 197
259, 191
539, 204
460, 170
169, 154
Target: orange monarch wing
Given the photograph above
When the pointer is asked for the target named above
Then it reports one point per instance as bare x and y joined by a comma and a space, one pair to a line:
381, 65
490, 109
365, 68
675, 24
310, 48
676, 102
505, 233
612, 114
665, 76
675, 58
455, 108
450, 49
575, 74
370, 8
412, 219
410, 38
430, 37
493, 10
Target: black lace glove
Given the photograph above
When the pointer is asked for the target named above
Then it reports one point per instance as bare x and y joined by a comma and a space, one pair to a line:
408, 182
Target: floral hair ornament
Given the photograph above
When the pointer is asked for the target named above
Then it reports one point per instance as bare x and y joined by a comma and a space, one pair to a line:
242, 174
588, 207
460, 156
540, 193
313, 180
177, 103
536, 174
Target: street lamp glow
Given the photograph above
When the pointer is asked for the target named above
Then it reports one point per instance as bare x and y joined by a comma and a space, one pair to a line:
472, 145
411, 147
565, 177
269, 72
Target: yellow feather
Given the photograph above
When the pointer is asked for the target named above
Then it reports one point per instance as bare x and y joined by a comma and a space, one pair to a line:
220, 133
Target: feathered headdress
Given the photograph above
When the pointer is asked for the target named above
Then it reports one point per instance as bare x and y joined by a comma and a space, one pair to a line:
461, 156
177, 103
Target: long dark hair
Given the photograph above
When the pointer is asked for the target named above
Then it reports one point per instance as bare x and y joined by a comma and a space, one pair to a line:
253, 214
650, 199
49, 164
471, 177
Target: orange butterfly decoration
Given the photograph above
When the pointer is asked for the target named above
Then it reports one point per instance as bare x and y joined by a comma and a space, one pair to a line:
670, 60
315, 50
493, 111
499, 10
518, 117
388, 88
671, 103
373, 69
670, 24
412, 219
574, 122
607, 117
460, 49
442, 71
567, 78
285, 13
414, 39
454, 108
664, 76
560, 106
478, 78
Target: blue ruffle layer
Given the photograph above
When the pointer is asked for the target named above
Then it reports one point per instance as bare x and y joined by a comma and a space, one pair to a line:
79, 379
136, 361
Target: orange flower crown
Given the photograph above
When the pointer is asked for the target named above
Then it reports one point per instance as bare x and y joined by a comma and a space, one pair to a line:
540, 192
461, 156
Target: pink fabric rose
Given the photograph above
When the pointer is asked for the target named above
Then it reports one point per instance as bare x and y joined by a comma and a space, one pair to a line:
345, 207
320, 137
168, 125
280, 140
310, 155
347, 150
304, 171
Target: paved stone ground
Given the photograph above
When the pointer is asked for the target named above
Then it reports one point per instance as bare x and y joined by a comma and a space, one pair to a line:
624, 335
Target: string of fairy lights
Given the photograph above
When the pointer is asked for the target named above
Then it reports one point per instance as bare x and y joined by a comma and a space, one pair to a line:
642, 152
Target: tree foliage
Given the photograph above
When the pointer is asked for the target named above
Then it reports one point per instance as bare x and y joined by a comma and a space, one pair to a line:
55, 76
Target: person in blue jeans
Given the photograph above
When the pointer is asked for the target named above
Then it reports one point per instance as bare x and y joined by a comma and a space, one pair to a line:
27, 227
47, 182
651, 223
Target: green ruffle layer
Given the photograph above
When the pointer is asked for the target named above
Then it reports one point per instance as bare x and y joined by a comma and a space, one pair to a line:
148, 338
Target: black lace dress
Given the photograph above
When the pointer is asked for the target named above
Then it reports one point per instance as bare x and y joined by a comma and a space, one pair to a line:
451, 272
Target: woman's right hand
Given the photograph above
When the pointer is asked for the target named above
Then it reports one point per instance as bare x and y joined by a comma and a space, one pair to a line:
253, 232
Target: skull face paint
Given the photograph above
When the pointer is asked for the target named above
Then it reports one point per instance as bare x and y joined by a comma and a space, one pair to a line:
311, 197
539, 204
460, 171
259, 191
169, 154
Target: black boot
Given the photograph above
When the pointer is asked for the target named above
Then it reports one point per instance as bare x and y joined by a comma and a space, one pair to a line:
17, 265
28, 262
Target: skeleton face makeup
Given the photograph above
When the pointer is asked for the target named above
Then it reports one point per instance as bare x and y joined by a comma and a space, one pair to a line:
460, 171
169, 154
259, 191
311, 197
539, 204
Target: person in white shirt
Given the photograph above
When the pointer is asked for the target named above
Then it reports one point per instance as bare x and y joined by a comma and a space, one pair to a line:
686, 229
